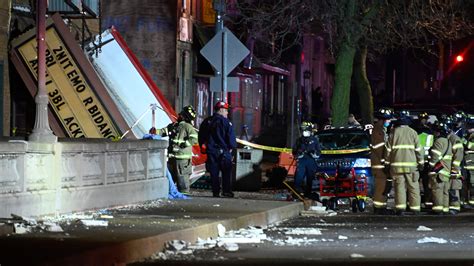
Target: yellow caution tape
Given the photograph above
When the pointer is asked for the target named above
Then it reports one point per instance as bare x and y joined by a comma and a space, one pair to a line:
263, 147
288, 150
344, 151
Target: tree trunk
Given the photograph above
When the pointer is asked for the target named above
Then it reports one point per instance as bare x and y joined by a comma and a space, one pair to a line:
341, 94
362, 85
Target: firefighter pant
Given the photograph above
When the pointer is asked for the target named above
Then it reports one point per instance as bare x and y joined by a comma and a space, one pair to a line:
407, 182
306, 168
220, 163
180, 170
440, 192
455, 185
380, 180
425, 181
470, 174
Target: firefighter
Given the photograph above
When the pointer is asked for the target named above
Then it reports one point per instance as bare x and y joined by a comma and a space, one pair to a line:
182, 136
306, 151
404, 157
422, 126
459, 127
425, 135
469, 159
440, 169
378, 149
456, 177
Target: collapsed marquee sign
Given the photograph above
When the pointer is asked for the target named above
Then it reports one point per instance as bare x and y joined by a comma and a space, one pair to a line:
80, 106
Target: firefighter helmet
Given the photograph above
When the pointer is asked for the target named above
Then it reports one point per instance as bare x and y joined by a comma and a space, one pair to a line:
423, 115
449, 121
459, 116
188, 113
306, 126
384, 113
220, 105
442, 128
403, 113
470, 120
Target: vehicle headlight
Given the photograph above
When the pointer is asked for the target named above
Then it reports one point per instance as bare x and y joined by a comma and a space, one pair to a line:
362, 163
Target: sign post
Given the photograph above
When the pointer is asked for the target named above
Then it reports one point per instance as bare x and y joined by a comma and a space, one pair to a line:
224, 52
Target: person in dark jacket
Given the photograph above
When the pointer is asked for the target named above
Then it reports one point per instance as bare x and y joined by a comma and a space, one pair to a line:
306, 151
217, 140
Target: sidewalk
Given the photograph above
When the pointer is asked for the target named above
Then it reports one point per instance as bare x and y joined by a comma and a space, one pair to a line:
135, 232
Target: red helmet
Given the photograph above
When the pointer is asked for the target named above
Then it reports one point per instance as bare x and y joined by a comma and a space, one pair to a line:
220, 105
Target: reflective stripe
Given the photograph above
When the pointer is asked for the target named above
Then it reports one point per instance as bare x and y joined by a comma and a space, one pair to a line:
437, 208
436, 152
457, 163
429, 140
376, 146
193, 136
445, 209
447, 157
401, 206
404, 164
379, 204
404, 147
182, 156
471, 202
378, 166
469, 167
457, 208
389, 149
457, 146
470, 145
415, 208
418, 149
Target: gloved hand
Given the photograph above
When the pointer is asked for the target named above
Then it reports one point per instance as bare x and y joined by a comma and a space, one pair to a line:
170, 128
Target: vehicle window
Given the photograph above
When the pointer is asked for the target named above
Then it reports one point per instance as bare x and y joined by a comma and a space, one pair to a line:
342, 141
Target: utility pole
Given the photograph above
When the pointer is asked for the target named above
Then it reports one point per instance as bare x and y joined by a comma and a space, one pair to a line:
220, 7
41, 130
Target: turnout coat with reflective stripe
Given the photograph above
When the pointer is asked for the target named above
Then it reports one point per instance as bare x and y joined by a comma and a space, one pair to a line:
441, 151
378, 149
470, 153
458, 152
403, 150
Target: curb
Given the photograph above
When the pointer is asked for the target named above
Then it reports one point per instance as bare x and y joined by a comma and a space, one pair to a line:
139, 249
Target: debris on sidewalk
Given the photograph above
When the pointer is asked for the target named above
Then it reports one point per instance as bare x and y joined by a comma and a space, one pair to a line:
432, 240
90, 223
24, 225
318, 210
423, 228
302, 231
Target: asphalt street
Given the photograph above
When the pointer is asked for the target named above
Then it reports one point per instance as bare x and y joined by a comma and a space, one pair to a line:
349, 238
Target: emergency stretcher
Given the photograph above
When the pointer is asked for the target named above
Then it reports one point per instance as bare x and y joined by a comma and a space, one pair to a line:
344, 184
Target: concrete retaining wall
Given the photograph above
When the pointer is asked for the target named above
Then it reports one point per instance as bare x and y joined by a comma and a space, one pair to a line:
38, 178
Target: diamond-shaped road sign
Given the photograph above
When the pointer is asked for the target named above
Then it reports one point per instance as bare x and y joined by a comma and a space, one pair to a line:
235, 50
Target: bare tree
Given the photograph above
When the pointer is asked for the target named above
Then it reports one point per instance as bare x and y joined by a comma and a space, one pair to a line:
351, 26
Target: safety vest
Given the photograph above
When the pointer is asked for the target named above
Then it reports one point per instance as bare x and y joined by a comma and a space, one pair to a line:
426, 141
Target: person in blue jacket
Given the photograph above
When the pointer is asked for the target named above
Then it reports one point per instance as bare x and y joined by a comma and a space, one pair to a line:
306, 151
217, 140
